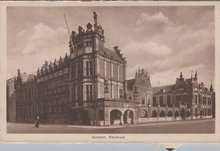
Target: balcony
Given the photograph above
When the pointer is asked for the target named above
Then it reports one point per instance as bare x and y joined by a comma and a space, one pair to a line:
106, 103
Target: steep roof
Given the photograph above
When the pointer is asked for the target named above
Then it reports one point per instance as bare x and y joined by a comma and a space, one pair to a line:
163, 89
130, 84
27, 77
110, 54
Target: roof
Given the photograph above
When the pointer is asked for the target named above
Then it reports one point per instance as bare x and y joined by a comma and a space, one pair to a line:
110, 53
27, 77
163, 89
130, 84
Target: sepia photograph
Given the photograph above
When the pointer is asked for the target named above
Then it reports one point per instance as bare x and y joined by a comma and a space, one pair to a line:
121, 69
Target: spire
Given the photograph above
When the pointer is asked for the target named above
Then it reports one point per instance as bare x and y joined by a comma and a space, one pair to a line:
211, 87
95, 16
195, 77
136, 73
19, 73
181, 75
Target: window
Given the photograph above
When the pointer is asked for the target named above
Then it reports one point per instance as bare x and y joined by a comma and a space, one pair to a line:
168, 100
154, 101
74, 71
120, 93
73, 95
88, 68
78, 93
196, 99
79, 69
200, 98
135, 89
88, 43
161, 100
204, 100
89, 92
178, 98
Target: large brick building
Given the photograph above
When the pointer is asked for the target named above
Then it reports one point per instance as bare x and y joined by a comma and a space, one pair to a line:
89, 86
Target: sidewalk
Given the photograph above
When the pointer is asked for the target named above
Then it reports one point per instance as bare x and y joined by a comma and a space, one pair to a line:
119, 126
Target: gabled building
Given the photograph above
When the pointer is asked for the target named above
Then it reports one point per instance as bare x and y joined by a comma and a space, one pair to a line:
193, 99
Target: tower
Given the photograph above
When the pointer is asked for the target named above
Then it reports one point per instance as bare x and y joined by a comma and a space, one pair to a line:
87, 41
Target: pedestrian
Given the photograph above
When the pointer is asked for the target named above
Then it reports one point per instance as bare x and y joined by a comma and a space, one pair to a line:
37, 121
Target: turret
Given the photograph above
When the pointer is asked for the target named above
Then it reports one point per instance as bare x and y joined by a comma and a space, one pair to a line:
93, 37
89, 27
19, 76
195, 77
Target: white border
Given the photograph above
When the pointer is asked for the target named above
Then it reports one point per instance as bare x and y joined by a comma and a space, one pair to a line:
87, 138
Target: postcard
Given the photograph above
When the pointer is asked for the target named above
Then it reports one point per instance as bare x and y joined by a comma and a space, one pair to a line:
109, 72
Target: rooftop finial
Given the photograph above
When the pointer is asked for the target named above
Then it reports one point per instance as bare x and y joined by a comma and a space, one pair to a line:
195, 75
181, 75
211, 87
95, 16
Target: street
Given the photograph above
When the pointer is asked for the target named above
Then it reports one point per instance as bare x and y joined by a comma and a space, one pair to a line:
194, 126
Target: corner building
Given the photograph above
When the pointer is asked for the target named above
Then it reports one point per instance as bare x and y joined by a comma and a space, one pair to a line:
97, 78
86, 87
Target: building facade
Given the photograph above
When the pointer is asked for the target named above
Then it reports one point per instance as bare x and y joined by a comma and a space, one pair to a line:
184, 100
89, 87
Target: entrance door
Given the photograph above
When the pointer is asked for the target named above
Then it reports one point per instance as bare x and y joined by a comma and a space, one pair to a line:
115, 117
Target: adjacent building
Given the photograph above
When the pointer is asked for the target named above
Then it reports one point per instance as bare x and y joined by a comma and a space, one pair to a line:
89, 86
11, 104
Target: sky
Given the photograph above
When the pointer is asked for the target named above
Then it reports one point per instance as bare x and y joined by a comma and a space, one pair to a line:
165, 40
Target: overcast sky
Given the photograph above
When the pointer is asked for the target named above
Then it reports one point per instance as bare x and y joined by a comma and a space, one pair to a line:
165, 40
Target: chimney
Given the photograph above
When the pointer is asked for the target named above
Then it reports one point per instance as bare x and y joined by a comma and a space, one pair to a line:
116, 49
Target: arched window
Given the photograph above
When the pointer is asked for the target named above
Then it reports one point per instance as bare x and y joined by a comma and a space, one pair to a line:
170, 114
162, 114
154, 114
